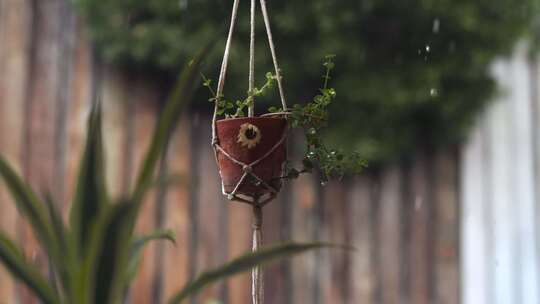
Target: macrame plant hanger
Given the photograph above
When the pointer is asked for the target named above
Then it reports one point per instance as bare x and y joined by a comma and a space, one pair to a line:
256, 202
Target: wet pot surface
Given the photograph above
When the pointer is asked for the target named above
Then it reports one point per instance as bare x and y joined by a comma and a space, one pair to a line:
248, 140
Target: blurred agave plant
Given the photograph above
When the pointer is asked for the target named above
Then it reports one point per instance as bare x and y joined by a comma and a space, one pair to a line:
96, 255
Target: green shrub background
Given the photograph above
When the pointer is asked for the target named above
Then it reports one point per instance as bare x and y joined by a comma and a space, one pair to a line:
408, 72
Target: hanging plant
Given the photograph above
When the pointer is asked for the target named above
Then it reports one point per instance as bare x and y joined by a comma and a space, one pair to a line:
251, 151
243, 134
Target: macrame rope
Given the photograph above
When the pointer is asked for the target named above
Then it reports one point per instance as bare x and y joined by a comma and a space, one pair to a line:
257, 290
224, 64
273, 52
256, 202
251, 110
223, 71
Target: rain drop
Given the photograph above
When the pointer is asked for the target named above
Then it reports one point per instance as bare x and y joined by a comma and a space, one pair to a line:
434, 92
428, 48
436, 26
323, 183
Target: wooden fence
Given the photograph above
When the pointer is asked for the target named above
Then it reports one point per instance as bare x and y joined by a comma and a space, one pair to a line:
403, 219
500, 221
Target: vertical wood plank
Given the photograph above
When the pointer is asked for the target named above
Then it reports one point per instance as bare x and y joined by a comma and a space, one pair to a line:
502, 187
375, 252
419, 245
535, 117
65, 55
335, 206
273, 274
40, 115
80, 102
523, 177
176, 213
475, 282
240, 241
286, 236
388, 232
210, 205
318, 233
145, 105
362, 277
447, 240
113, 88
14, 59
193, 207
303, 268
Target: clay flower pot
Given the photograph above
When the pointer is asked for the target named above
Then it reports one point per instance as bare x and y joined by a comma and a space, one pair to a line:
248, 140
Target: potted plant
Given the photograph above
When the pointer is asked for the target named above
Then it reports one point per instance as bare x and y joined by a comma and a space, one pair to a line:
251, 152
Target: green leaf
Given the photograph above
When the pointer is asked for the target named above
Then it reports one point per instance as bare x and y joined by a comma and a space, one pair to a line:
31, 208
14, 260
245, 263
137, 247
103, 272
91, 193
178, 100
65, 265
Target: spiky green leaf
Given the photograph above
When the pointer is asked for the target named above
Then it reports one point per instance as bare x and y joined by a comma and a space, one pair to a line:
66, 265
245, 263
91, 193
14, 260
137, 247
32, 208
100, 279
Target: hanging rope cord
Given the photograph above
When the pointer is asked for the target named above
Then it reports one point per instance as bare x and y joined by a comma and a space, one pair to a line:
248, 168
257, 277
226, 55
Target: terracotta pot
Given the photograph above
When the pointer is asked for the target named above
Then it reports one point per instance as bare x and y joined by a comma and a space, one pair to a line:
247, 140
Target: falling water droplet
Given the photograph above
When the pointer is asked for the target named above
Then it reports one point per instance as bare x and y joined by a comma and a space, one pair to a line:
428, 48
436, 25
323, 183
434, 92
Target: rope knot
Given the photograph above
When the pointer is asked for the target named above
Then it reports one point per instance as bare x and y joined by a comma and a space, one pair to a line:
230, 196
247, 168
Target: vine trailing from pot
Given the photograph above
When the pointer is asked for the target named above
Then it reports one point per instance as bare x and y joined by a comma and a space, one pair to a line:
311, 118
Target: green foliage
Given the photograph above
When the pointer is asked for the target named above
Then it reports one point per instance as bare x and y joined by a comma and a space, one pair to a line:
97, 255
411, 71
312, 119
237, 109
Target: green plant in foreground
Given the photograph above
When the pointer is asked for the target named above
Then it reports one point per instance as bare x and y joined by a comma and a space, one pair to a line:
311, 118
95, 257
